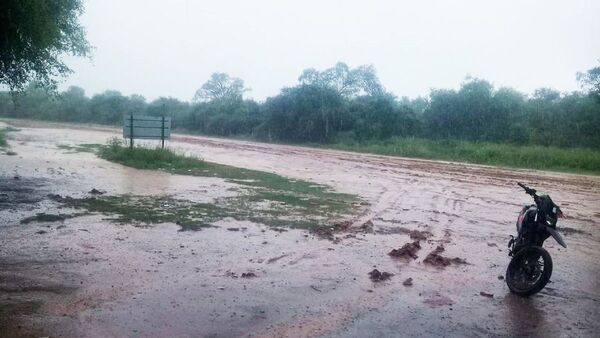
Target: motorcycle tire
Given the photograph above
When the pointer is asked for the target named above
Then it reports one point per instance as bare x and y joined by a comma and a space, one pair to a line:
521, 264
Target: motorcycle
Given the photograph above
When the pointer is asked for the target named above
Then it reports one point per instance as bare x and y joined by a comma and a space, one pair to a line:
530, 268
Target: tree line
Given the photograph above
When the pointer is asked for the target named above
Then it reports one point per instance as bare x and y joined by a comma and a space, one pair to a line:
342, 103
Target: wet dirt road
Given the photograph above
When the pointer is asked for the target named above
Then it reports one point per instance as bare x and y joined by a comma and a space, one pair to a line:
88, 277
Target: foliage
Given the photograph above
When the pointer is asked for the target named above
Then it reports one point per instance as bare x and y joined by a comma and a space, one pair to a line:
35, 33
221, 86
306, 113
590, 79
344, 80
3, 138
145, 158
332, 106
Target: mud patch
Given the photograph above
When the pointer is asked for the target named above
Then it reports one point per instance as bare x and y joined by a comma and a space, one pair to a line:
485, 294
328, 231
408, 251
43, 217
434, 258
275, 259
16, 191
567, 231
419, 235
379, 276
95, 191
438, 300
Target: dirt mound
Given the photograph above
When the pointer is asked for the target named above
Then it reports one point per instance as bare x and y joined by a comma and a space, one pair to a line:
434, 258
328, 231
324, 232
408, 250
569, 231
485, 294
95, 191
366, 227
419, 235
43, 217
378, 276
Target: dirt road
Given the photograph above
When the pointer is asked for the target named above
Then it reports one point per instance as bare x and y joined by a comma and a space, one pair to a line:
89, 277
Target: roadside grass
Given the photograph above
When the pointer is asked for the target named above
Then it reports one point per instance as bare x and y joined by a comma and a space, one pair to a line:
576, 160
263, 197
3, 143
80, 148
177, 163
3, 132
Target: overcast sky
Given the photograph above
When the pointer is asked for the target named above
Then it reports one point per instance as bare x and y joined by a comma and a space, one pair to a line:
170, 48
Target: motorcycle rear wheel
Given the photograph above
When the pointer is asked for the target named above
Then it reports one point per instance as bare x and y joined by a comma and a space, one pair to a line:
529, 271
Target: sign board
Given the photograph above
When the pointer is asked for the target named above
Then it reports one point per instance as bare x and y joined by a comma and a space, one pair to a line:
146, 127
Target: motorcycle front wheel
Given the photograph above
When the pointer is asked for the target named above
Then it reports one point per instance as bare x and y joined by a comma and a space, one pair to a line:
529, 271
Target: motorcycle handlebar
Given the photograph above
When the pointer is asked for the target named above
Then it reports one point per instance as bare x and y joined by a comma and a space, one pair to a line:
528, 190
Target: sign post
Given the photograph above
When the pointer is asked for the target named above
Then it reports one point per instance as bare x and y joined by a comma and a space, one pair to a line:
162, 136
146, 127
131, 132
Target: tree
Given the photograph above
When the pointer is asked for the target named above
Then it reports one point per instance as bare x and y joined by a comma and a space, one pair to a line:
346, 81
508, 122
381, 117
108, 107
34, 34
306, 113
74, 105
591, 81
221, 86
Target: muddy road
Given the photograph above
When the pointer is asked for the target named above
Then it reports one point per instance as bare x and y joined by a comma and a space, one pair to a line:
87, 276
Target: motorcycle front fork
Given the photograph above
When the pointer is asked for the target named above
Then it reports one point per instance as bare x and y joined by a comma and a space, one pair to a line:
511, 247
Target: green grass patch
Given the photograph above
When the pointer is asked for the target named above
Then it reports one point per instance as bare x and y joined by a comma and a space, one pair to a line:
3, 132
272, 186
80, 148
578, 160
3, 143
263, 197
145, 210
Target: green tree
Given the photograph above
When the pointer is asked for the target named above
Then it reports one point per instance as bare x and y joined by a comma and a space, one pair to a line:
306, 113
34, 34
220, 86
347, 82
590, 79
108, 107
381, 117
73, 105
508, 121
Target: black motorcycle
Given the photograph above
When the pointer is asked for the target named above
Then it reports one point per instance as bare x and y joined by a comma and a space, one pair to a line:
531, 265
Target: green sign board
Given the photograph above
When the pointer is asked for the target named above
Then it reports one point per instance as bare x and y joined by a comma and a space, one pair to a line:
146, 127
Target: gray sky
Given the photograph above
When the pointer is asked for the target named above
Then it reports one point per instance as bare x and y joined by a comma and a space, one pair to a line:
170, 48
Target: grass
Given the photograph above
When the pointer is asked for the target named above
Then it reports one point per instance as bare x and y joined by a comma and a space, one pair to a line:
264, 197
3, 131
3, 143
578, 160
176, 163
80, 148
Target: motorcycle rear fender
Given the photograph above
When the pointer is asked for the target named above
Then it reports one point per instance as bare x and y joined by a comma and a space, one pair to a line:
556, 236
